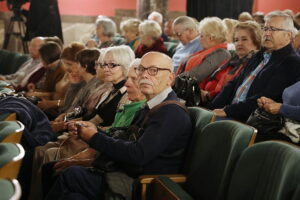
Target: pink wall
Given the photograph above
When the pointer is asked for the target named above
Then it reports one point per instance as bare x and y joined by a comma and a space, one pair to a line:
107, 7
270, 5
101, 7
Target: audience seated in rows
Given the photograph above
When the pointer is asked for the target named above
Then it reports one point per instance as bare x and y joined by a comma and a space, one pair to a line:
267, 74
155, 78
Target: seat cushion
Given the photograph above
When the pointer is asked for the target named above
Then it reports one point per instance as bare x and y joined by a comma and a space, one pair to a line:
8, 127
8, 152
7, 189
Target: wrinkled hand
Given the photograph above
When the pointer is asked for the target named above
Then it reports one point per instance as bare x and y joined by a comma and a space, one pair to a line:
30, 87
220, 112
63, 164
84, 129
91, 44
58, 126
2, 78
272, 107
262, 101
60, 118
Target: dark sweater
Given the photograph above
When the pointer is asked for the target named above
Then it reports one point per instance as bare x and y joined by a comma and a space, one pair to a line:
167, 131
282, 70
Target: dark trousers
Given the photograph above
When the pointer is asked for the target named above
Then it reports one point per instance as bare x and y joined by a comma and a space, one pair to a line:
78, 183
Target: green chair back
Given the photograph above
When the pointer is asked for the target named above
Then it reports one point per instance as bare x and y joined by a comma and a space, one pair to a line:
171, 48
9, 189
200, 117
267, 170
216, 151
11, 61
9, 127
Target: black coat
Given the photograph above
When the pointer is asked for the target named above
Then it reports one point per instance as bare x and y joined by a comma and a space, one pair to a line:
282, 70
43, 19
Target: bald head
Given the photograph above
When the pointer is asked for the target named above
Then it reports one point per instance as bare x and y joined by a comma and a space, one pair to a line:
34, 47
158, 59
155, 74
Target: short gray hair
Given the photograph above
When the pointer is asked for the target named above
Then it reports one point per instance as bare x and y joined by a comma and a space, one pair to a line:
123, 55
109, 26
156, 15
185, 22
287, 19
150, 28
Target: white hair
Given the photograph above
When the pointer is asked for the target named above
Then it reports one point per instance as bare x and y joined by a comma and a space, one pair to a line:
156, 16
109, 26
122, 55
287, 19
135, 62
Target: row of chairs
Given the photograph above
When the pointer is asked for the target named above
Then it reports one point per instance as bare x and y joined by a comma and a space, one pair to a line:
222, 163
11, 155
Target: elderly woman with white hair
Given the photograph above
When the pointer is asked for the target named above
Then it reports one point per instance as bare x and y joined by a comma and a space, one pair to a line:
150, 35
212, 37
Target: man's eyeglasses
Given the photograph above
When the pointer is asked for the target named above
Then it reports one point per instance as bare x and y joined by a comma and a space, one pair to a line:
152, 71
109, 65
273, 29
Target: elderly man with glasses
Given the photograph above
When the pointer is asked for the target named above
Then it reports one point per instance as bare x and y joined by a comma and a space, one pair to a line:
268, 73
158, 150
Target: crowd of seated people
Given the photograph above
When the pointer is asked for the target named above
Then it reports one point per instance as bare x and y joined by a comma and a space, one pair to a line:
125, 80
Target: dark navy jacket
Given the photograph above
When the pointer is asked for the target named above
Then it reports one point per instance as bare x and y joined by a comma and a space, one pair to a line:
282, 70
168, 130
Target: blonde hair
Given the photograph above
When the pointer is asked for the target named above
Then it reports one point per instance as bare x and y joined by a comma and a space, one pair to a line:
131, 25
213, 27
245, 16
229, 23
150, 28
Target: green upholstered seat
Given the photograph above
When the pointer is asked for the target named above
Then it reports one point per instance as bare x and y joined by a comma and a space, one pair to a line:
10, 152
267, 170
11, 61
6, 91
9, 127
215, 153
3, 84
9, 189
3, 116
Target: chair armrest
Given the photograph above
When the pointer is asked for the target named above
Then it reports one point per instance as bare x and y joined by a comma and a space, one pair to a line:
147, 179
164, 188
177, 178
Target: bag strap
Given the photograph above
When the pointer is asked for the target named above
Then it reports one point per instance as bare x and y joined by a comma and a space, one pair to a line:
157, 107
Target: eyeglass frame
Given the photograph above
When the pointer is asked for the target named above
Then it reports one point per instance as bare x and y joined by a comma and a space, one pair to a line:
108, 65
273, 29
136, 69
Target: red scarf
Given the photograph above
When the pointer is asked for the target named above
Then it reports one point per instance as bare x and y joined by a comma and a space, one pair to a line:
198, 57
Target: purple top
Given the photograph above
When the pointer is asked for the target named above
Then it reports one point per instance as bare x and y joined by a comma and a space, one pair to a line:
291, 102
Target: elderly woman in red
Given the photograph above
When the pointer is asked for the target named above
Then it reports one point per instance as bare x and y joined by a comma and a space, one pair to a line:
247, 40
212, 37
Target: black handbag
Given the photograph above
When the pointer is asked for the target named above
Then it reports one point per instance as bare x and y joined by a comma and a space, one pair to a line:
265, 122
187, 88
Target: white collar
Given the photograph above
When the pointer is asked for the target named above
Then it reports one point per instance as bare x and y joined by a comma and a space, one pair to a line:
159, 98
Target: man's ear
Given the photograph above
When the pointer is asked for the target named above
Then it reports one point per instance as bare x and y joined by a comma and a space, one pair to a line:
171, 79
